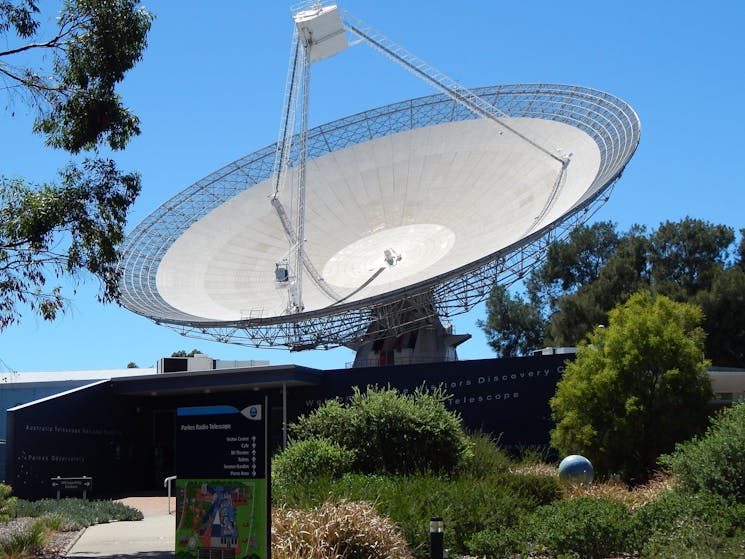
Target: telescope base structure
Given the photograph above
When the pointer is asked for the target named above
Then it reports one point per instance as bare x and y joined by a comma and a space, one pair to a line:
431, 343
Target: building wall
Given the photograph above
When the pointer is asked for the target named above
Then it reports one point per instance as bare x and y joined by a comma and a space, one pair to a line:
126, 442
15, 394
79, 433
505, 397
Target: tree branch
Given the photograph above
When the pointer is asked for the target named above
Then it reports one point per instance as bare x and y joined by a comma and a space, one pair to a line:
33, 85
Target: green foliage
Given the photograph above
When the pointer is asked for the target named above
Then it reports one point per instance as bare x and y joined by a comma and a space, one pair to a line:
78, 513
597, 268
588, 528
391, 432
724, 310
660, 519
513, 326
466, 505
638, 387
685, 256
692, 538
52, 230
303, 461
503, 544
537, 489
102, 42
579, 259
89, 209
182, 353
8, 503
485, 459
714, 462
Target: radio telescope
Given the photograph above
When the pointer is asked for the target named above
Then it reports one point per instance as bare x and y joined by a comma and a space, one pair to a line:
370, 230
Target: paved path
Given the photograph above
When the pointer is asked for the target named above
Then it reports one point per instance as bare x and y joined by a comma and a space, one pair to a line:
150, 538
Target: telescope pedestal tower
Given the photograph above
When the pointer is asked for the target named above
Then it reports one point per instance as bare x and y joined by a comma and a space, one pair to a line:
432, 343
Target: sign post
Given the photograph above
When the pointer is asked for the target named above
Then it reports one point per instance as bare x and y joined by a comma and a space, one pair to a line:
223, 491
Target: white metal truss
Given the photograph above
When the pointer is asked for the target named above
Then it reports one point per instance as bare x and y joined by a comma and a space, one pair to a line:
442, 82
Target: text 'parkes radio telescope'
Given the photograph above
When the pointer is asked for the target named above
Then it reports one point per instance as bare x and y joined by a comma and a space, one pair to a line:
366, 231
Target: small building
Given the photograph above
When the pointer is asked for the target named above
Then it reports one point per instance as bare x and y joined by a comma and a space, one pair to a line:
121, 431
18, 388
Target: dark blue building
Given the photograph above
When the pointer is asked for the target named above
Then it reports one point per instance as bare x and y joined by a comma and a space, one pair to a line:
121, 431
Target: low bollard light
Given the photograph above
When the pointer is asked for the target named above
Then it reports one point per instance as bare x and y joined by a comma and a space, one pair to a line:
436, 535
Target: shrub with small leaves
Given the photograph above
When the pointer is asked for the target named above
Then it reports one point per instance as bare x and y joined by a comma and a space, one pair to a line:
693, 538
502, 544
391, 432
78, 513
589, 528
484, 458
538, 489
306, 460
23, 539
661, 518
714, 462
7, 502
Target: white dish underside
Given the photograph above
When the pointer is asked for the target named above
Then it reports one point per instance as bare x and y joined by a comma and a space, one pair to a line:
436, 198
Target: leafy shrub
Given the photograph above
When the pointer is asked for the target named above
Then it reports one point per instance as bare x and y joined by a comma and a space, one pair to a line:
391, 432
538, 489
78, 513
692, 538
714, 462
484, 458
343, 530
7, 502
661, 518
590, 528
311, 458
501, 544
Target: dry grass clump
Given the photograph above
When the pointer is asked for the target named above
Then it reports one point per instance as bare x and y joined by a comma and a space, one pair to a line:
342, 530
634, 498
618, 491
536, 468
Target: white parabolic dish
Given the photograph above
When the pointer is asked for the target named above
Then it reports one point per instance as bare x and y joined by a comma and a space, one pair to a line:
400, 200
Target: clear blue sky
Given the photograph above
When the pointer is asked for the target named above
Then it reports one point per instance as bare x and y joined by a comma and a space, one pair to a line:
209, 90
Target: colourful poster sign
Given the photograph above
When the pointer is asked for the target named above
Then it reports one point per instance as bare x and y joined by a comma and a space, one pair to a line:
222, 497
220, 519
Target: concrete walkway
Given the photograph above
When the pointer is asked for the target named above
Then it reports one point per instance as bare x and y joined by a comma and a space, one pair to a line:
150, 538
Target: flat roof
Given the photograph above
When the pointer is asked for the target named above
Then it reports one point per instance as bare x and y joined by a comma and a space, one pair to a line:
10, 379
217, 380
